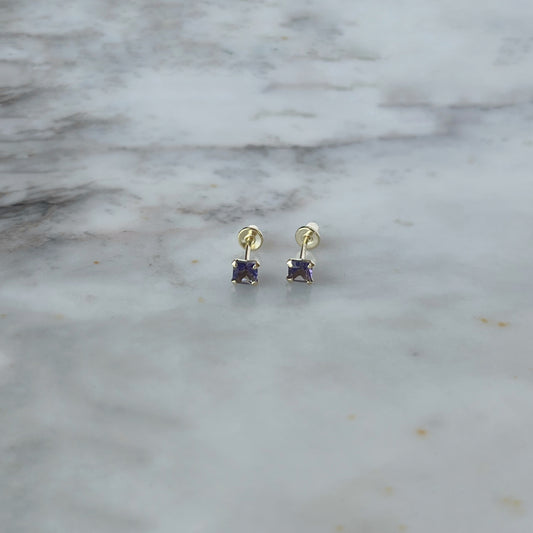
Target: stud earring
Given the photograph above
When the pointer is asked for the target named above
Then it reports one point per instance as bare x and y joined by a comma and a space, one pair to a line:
301, 269
245, 270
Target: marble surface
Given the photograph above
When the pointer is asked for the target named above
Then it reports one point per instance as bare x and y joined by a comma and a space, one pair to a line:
141, 392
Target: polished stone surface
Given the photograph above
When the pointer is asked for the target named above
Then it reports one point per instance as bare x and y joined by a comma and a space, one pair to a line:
140, 391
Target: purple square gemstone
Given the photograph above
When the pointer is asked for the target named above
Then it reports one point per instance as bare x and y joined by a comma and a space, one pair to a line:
300, 270
245, 272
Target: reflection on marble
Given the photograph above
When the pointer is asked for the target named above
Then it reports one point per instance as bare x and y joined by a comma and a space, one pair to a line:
140, 391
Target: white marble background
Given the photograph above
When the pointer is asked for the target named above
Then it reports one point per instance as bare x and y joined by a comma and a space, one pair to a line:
141, 392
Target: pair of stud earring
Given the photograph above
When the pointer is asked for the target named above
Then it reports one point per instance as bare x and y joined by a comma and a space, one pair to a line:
300, 269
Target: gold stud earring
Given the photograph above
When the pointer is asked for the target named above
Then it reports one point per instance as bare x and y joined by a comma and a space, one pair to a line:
246, 270
301, 269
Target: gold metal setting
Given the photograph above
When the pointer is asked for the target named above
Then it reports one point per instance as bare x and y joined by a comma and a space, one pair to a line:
301, 269
245, 270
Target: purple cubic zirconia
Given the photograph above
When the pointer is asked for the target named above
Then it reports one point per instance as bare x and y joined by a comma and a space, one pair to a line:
300, 270
245, 271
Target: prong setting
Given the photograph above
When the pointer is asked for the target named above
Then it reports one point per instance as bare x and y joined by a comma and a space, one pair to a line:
245, 271
300, 270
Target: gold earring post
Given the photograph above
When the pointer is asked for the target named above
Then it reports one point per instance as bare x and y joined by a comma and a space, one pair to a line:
248, 248
303, 249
